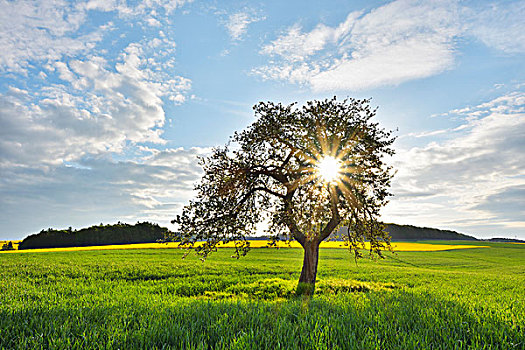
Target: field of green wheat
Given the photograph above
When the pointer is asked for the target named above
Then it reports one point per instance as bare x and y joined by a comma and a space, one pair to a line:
151, 298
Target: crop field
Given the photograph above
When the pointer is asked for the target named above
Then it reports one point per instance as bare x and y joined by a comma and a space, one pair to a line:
151, 298
14, 242
398, 246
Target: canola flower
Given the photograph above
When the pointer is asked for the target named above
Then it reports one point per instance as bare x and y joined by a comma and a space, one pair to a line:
15, 243
397, 246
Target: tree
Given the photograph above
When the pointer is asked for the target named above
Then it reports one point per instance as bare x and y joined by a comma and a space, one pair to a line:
8, 246
303, 172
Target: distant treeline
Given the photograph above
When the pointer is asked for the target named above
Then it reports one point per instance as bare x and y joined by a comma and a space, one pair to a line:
121, 233
145, 232
505, 240
414, 233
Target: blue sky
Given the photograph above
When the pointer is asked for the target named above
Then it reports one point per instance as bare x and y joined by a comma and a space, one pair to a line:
105, 105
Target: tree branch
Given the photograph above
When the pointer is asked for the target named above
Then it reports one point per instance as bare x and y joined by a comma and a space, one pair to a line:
292, 152
292, 226
335, 220
277, 194
281, 178
247, 195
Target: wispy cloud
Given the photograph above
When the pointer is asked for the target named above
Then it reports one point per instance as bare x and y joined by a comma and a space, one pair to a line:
238, 22
49, 30
41, 31
394, 43
498, 26
468, 178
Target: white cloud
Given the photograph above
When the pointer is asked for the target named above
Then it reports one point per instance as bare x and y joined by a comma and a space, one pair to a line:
85, 101
64, 72
237, 23
394, 43
153, 187
102, 5
100, 108
497, 26
44, 30
39, 31
400, 41
167, 5
298, 46
141, 8
75, 101
153, 22
465, 180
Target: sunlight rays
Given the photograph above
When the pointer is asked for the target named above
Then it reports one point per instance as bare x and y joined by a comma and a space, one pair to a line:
330, 160
329, 169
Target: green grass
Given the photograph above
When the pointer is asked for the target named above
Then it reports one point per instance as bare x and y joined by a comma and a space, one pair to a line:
473, 298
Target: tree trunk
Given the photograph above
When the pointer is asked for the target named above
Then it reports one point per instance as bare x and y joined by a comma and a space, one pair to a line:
306, 284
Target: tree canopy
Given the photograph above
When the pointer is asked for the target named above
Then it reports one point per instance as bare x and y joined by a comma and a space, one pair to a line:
302, 172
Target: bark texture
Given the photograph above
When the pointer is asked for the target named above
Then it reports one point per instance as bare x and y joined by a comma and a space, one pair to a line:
308, 276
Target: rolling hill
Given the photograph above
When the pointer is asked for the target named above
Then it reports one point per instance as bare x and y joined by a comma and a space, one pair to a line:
121, 233
147, 232
414, 233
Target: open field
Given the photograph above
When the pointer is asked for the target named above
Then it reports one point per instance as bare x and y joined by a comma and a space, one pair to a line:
398, 246
151, 298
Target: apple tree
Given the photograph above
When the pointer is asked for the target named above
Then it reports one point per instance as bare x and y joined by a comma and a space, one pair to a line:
304, 173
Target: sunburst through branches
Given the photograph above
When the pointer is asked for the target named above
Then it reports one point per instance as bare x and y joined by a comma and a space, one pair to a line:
329, 169
331, 162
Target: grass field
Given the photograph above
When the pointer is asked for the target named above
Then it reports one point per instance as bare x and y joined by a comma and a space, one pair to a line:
151, 298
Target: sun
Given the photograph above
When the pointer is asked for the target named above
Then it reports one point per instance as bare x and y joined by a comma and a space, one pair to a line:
329, 169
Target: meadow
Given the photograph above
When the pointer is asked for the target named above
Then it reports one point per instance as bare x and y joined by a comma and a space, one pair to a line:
152, 298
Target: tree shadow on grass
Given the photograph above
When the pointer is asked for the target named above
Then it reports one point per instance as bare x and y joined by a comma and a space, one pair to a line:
373, 320
270, 288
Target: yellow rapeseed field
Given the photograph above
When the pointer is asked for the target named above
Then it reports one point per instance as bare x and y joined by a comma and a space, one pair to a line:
15, 243
400, 247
